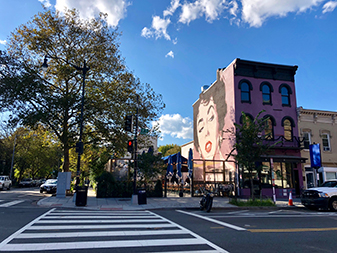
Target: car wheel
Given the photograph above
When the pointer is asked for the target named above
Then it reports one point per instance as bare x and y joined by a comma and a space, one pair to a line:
333, 204
41, 191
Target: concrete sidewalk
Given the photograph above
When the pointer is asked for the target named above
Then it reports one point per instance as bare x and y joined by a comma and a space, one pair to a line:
172, 201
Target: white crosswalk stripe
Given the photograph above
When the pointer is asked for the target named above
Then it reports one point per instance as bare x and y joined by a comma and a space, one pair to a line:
12, 203
143, 231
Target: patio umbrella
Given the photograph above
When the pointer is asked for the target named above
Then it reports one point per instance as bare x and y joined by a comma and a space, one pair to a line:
190, 163
169, 172
178, 162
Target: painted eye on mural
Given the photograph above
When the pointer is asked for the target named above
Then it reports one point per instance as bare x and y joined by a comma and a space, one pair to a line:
200, 129
211, 118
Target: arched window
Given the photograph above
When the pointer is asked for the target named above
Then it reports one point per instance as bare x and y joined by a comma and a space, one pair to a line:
269, 130
245, 87
266, 89
285, 91
249, 117
288, 125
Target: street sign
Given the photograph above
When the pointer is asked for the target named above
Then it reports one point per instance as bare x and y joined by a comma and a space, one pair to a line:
144, 131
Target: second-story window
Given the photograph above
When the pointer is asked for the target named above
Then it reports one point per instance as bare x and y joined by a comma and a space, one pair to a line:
288, 130
269, 131
306, 139
326, 141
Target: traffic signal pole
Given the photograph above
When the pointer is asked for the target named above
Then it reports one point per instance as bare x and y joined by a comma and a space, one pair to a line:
135, 152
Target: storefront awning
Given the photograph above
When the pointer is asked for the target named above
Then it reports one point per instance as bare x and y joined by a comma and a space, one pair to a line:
284, 158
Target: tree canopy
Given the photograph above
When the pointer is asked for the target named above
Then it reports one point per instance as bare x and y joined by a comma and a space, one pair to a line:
251, 143
169, 149
53, 98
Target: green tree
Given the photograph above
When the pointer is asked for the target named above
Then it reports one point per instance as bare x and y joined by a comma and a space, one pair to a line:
53, 98
169, 149
150, 167
37, 154
251, 144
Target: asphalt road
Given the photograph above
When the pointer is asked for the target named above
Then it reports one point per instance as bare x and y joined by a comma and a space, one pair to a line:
262, 230
31, 228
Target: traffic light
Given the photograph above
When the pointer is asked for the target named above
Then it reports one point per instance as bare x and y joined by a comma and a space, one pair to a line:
130, 146
128, 123
79, 147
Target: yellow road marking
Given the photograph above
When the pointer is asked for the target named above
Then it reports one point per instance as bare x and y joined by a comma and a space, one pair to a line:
290, 230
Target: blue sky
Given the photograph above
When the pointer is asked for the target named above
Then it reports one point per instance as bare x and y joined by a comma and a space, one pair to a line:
177, 46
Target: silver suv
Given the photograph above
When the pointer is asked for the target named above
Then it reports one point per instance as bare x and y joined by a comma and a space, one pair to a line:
5, 182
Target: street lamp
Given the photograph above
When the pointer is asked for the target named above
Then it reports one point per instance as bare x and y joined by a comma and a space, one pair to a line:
79, 144
12, 163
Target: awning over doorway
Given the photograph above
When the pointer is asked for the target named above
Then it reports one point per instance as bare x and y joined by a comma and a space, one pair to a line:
174, 158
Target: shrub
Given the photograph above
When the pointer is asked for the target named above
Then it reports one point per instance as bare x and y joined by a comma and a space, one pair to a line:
252, 202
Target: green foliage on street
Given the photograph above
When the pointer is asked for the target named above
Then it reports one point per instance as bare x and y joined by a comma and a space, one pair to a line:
52, 99
150, 168
250, 144
109, 187
169, 149
252, 202
37, 153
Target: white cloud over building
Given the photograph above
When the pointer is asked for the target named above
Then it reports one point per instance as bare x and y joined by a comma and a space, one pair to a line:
116, 9
176, 126
251, 12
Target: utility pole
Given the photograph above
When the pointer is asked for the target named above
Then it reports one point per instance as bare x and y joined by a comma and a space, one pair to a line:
135, 151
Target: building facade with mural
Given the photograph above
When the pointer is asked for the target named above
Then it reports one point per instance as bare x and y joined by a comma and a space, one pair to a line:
249, 87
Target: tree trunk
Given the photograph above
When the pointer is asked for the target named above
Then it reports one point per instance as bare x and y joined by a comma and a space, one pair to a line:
251, 186
66, 158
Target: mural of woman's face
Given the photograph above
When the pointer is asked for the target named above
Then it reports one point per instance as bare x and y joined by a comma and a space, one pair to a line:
207, 129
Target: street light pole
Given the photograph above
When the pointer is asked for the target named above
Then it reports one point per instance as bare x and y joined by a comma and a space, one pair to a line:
79, 144
12, 164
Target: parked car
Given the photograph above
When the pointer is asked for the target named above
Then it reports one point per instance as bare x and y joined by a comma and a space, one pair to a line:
27, 182
324, 196
40, 182
5, 183
50, 186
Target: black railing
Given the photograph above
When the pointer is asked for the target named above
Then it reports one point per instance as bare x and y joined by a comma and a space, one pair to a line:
281, 142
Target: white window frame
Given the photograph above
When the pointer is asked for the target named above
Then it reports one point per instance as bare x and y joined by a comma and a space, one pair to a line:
308, 133
326, 148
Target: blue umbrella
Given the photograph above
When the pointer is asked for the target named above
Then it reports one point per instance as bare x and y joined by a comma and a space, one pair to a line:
169, 172
178, 162
190, 163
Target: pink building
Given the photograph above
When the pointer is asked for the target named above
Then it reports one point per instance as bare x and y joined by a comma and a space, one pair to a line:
249, 87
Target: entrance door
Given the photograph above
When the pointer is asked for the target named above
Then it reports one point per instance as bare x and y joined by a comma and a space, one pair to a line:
297, 183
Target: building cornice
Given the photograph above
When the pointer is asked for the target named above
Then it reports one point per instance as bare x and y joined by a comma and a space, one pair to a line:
264, 70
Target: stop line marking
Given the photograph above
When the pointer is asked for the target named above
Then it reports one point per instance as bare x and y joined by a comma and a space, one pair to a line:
214, 221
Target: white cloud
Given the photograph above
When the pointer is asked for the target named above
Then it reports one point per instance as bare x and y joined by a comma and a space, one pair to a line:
176, 126
45, 3
174, 5
158, 28
251, 12
170, 54
255, 12
116, 9
210, 8
329, 6
3, 42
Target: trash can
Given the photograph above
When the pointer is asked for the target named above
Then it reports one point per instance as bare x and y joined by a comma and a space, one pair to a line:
81, 195
141, 197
